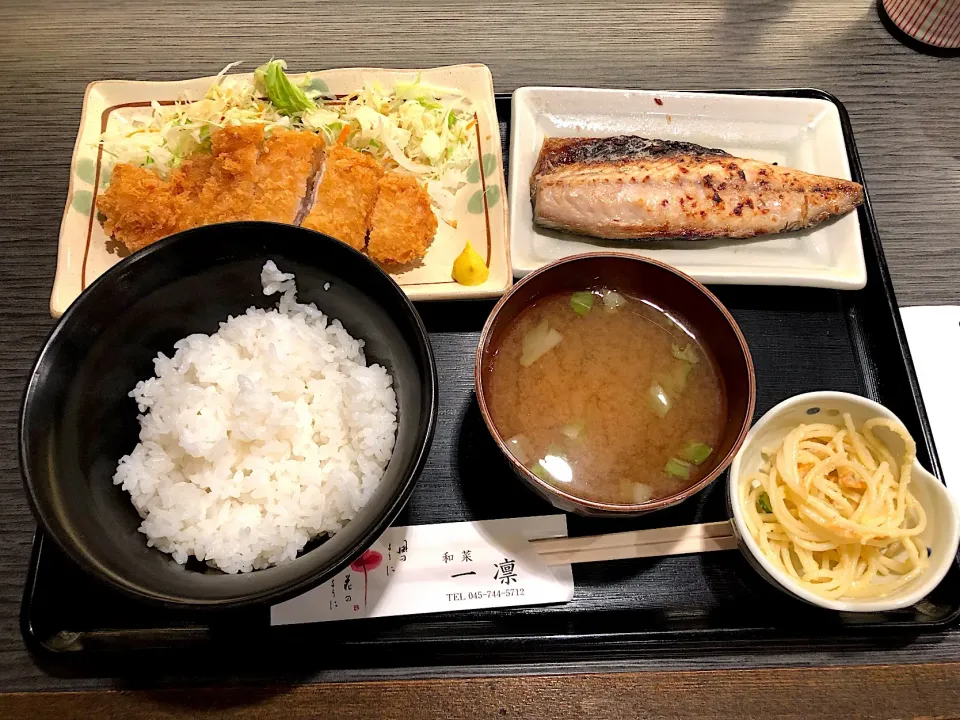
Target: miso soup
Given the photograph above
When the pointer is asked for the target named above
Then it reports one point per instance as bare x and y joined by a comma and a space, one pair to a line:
607, 397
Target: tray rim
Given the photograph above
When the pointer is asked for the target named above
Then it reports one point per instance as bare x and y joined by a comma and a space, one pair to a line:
691, 637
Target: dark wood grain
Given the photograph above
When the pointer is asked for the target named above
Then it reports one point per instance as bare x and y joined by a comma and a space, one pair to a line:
905, 109
895, 692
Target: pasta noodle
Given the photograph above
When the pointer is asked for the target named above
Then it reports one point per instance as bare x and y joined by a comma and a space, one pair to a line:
831, 508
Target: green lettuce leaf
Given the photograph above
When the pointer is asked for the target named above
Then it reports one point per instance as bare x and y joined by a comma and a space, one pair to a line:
289, 99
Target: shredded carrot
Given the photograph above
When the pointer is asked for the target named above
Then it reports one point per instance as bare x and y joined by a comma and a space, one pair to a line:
472, 123
848, 479
343, 135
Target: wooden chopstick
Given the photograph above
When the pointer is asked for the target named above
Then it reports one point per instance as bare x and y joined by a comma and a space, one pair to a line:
677, 540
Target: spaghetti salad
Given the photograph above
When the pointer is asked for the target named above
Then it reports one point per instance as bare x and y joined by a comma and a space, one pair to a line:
832, 509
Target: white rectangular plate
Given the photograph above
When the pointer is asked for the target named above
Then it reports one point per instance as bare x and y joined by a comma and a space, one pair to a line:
796, 132
85, 251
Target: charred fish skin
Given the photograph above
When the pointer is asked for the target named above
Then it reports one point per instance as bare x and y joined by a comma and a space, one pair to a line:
559, 152
629, 187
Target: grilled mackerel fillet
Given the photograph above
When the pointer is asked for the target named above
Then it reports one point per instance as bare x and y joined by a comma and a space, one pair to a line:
630, 187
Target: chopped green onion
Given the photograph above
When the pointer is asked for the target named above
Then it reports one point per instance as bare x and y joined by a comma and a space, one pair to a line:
451, 119
573, 430
540, 471
374, 144
678, 468
696, 452
763, 503
685, 352
659, 400
581, 302
274, 83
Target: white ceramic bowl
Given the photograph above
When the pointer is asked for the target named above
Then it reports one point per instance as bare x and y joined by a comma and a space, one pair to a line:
943, 515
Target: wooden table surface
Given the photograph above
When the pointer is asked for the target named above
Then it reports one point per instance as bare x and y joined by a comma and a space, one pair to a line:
905, 109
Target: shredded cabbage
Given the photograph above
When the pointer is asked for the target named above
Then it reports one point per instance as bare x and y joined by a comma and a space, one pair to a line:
162, 139
425, 129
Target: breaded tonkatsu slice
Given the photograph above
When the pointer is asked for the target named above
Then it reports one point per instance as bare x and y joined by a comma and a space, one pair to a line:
228, 189
253, 178
402, 225
345, 196
245, 177
288, 159
139, 207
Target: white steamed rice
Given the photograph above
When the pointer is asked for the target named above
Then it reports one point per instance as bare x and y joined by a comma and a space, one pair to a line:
257, 438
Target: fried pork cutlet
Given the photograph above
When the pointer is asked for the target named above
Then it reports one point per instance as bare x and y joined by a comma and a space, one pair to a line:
402, 225
139, 207
345, 196
256, 179
228, 189
287, 162
245, 177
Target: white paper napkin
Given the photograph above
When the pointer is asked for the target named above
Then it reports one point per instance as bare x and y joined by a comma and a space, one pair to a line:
933, 333
438, 568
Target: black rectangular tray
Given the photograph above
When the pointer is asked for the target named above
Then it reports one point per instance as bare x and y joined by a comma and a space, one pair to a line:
801, 339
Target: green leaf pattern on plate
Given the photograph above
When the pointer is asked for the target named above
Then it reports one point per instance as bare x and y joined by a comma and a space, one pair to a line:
473, 172
86, 170
489, 165
493, 195
475, 203
82, 201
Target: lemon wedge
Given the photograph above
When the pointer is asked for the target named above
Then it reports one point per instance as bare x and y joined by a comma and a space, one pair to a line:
469, 268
